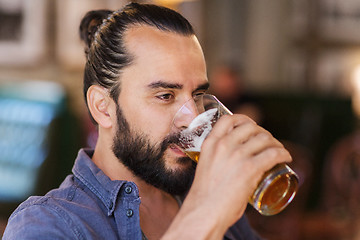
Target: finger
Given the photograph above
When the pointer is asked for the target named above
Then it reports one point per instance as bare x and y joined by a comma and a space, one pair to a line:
226, 124
218, 141
260, 142
254, 137
269, 157
240, 135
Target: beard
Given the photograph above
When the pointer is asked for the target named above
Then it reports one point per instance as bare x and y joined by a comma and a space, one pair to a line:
147, 161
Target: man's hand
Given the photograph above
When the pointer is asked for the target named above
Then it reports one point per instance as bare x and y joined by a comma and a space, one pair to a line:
233, 159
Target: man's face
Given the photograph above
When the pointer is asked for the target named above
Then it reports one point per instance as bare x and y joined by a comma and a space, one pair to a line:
167, 70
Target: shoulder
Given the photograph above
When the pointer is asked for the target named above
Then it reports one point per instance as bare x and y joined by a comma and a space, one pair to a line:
69, 212
51, 215
40, 217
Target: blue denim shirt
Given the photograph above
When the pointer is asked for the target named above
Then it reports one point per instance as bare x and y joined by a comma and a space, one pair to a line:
88, 205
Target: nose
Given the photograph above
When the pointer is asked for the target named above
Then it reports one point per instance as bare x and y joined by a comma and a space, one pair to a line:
186, 114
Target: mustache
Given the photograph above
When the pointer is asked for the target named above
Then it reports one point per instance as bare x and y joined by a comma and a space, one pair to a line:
173, 138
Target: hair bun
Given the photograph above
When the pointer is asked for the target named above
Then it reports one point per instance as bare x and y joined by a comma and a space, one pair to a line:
90, 23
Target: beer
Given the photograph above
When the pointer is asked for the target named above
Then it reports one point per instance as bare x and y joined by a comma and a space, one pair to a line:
276, 190
194, 155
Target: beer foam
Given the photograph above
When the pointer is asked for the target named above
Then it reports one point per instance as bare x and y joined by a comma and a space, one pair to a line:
198, 129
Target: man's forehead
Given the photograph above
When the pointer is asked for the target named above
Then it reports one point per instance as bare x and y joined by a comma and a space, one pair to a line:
165, 59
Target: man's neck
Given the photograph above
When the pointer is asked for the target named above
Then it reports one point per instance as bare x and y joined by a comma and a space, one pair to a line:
157, 211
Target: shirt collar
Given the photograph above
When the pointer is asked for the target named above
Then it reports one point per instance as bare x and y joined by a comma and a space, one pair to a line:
96, 180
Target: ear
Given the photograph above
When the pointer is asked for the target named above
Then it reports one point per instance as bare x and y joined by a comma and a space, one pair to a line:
98, 101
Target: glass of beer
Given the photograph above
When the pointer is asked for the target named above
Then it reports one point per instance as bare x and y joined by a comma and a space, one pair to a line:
277, 187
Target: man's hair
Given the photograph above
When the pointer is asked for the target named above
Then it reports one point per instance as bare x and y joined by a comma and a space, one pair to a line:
103, 33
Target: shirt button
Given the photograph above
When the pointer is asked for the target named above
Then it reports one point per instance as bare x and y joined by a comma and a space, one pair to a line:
129, 212
128, 189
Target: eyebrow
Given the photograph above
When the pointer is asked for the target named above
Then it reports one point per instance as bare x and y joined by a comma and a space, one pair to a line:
165, 85
162, 84
204, 86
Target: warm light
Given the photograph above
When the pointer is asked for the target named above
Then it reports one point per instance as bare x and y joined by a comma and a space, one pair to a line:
171, 3
356, 79
356, 90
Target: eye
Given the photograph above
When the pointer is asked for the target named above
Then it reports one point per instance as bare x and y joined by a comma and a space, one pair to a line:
199, 94
165, 97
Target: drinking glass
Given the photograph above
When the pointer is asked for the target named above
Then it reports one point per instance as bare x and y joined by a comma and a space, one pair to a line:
277, 186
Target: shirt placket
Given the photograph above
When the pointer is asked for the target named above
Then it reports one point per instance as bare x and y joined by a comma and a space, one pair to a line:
126, 212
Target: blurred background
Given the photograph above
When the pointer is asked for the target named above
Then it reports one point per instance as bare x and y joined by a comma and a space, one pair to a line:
291, 65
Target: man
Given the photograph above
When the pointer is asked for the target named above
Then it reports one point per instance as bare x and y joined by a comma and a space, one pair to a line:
143, 63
